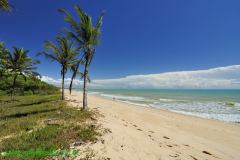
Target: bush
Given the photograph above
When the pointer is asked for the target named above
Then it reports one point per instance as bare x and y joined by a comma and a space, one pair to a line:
28, 93
27, 87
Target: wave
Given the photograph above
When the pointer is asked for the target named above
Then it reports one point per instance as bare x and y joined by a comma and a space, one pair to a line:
222, 117
94, 93
206, 109
121, 97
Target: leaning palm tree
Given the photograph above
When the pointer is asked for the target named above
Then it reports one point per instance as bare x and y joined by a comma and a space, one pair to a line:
86, 35
75, 71
64, 53
17, 64
5, 5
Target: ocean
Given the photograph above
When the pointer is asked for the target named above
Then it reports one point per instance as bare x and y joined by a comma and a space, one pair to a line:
221, 105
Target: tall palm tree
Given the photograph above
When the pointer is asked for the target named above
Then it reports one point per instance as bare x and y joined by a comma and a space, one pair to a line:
18, 63
5, 5
86, 35
63, 52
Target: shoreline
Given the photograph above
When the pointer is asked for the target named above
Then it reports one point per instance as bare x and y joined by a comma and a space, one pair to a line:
163, 109
150, 133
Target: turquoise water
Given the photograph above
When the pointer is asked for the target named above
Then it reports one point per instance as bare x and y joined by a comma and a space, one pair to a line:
213, 104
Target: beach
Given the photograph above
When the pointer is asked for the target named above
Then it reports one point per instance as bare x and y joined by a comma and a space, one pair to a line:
138, 132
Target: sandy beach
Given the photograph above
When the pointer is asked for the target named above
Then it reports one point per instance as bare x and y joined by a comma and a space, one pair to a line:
152, 134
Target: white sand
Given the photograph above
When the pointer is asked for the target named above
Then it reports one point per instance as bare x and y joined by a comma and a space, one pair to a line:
154, 134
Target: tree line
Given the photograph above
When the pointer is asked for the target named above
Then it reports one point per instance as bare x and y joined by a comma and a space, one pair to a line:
74, 48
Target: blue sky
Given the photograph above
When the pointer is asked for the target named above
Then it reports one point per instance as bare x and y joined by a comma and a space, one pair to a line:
138, 36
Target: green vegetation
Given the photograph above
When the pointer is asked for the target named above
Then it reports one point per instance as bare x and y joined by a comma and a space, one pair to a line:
5, 5
86, 36
18, 64
64, 53
18, 74
43, 122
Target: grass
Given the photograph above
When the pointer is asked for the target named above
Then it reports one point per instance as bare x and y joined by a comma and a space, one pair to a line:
42, 122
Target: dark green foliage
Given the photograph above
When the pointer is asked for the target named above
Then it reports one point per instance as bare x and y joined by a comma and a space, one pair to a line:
18, 74
17, 64
27, 87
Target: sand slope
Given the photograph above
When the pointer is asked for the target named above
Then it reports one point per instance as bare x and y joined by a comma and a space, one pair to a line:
153, 134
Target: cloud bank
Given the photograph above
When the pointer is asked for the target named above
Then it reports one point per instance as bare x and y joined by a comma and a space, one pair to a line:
215, 78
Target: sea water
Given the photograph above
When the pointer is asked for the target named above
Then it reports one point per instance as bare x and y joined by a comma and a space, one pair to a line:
221, 105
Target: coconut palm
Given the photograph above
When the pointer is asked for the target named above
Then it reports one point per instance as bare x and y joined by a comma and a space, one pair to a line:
18, 63
63, 52
86, 35
5, 5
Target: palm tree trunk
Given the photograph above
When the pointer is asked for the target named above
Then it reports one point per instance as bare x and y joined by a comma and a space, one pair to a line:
63, 77
70, 86
13, 89
85, 86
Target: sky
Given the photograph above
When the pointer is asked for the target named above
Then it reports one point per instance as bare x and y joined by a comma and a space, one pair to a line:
140, 38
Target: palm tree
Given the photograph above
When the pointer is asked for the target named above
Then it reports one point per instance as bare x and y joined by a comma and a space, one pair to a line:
5, 5
86, 35
64, 53
19, 64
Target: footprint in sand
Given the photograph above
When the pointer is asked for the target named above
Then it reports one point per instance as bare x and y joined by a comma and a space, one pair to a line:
150, 136
175, 155
193, 157
186, 145
166, 137
135, 125
139, 129
206, 152
151, 131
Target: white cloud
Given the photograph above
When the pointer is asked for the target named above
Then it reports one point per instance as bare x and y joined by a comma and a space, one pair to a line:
221, 77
